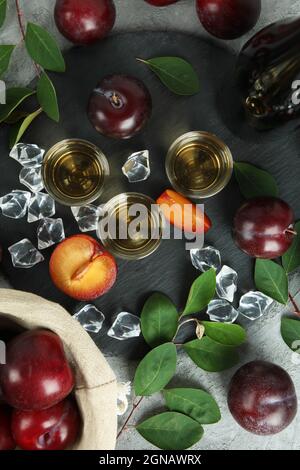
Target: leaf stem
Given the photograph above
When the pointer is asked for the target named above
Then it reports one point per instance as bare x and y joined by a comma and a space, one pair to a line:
134, 407
293, 301
142, 60
20, 16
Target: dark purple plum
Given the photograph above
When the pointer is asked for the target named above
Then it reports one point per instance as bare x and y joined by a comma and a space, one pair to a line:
262, 398
228, 19
119, 106
263, 227
84, 21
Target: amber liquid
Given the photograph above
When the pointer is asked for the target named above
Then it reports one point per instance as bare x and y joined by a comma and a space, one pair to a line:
131, 241
76, 174
73, 172
196, 166
133, 235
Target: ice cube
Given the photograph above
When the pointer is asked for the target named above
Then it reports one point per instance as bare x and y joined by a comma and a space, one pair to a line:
24, 254
15, 204
50, 232
125, 326
32, 178
206, 258
28, 155
227, 283
87, 217
254, 305
220, 310
137, 167
41, 206
90, 318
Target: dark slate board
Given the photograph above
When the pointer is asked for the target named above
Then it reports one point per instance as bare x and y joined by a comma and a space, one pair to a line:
214, 109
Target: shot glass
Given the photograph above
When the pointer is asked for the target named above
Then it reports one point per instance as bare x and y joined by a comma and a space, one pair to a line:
199, 165
74, 172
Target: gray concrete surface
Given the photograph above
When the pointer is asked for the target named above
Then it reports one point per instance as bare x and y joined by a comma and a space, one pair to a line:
132, 15
264, 342
264, 339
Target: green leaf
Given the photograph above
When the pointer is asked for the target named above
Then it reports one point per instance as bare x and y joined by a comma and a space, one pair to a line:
195, 403
46, 95
176, 73
230, 335
202, 291
19, 129
171, 431
210, 355
3, 6
43, 49
5, 55
253, 181
291, 259
272, 280
159, 320
290, 332
14, 97
155, 371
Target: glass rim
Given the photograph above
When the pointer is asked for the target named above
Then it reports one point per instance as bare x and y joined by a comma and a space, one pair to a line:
199, 136
97, 153
152, 243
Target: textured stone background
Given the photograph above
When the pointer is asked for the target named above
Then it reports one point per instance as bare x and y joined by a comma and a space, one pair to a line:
264, 336
132, 15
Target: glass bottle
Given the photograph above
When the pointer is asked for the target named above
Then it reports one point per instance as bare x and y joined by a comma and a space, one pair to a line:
268, 72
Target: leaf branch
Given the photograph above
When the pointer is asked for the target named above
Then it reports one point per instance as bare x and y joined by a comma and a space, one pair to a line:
294, 303
20, 16
133, 409
20, 19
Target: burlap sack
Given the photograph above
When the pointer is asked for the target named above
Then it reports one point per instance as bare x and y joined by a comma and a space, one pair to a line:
96, 386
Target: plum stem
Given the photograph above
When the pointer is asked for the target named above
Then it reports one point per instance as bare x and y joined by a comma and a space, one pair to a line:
133, 409
292, 232
116, 100
293, 301
20, 16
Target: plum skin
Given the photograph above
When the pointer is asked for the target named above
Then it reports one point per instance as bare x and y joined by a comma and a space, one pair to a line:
36, 374
262, 398
84, 22
263, 227
52, 429
6, 438
228, 19
119, 106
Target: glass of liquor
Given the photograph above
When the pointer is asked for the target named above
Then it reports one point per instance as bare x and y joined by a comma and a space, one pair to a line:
199, 164
131, 226
74, 172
